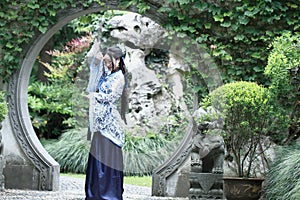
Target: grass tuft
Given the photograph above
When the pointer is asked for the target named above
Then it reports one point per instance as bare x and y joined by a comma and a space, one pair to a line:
141, 154
283, 178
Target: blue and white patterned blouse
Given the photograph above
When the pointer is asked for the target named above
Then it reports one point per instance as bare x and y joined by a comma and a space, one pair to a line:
104, 116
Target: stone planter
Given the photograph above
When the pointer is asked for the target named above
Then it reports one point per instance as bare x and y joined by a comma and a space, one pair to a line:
236, 188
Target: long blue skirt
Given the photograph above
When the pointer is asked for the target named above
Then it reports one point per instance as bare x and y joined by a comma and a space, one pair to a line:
104, 174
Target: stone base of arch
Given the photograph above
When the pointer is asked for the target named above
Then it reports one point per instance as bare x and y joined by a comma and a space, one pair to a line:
27, 165
171, 179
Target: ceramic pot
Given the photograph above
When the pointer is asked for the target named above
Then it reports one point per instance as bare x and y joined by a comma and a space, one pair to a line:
236, 188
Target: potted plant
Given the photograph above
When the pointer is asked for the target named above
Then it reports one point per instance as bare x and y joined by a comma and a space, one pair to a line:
249, 118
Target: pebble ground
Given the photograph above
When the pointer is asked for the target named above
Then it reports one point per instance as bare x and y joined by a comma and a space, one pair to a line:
73, 189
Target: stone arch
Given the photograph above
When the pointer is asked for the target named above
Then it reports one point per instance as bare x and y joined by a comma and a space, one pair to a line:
45, 167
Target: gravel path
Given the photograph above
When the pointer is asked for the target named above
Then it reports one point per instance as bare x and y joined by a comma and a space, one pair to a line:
73, 189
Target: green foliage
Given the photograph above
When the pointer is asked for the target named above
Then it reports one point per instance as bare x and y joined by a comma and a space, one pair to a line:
249, 115
70, 151
50, 107
145, 181
59, 104
283, 69
3, 106
194, 84
237, 33
282, 180
20, 22
94, 22
141, 154
141, 5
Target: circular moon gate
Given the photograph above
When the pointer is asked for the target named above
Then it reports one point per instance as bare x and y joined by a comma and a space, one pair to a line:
46, 167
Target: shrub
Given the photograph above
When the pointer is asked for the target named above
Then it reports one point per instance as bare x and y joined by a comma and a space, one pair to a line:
50, 107
283, 69
58, 104
249, 115
3, 107
282, 180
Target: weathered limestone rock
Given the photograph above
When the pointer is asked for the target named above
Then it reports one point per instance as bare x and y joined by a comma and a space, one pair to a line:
145, 90
150, 101
174, 79
136, 30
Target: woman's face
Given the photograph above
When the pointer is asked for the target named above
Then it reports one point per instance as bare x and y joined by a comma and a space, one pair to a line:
110, 62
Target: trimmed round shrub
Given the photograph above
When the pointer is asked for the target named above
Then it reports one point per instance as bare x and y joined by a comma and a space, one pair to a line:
247, 107
249, 116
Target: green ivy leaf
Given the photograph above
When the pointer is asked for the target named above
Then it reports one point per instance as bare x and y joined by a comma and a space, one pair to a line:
226, 24
249, 14
258, 69
33, 5
51, 12
270, 33
243, 20
9, 45
235, 27
239, 37
207, 25
218, 18
43, 29
292, 5
227, 14
181, 16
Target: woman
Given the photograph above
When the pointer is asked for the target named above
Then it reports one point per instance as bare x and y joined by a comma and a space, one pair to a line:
104, 175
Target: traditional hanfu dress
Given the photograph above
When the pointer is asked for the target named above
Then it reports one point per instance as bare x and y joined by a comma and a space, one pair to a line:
104, 174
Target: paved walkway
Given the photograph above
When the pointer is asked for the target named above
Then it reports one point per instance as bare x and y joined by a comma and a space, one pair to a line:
73, 189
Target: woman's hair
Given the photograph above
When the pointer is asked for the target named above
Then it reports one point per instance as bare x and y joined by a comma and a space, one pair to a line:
117, 52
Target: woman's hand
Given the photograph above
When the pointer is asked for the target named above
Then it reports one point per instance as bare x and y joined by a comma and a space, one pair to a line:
88, 96
98, 58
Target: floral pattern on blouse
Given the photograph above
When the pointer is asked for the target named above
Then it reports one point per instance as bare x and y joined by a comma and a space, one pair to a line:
106, 90
107, 118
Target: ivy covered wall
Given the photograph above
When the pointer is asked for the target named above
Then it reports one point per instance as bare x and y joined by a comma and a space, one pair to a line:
237, 33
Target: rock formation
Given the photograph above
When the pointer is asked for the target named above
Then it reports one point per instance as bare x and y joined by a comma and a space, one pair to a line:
156, 91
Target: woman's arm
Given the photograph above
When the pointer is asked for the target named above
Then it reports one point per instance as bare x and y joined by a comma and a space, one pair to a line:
94, 52
95, 74
94, 61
